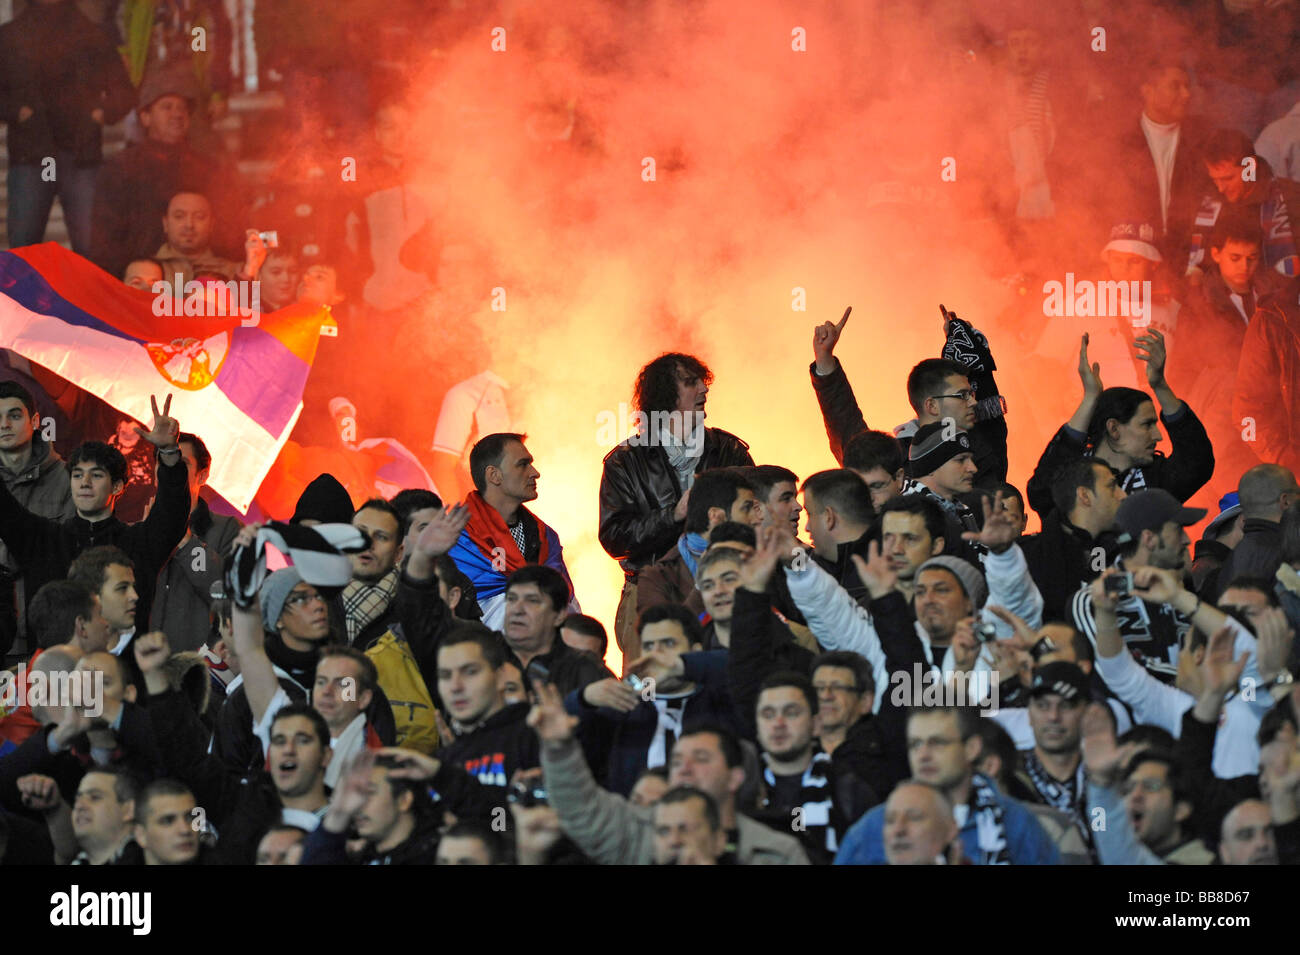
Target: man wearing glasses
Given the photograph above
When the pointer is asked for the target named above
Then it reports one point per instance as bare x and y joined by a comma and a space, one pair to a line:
940, 390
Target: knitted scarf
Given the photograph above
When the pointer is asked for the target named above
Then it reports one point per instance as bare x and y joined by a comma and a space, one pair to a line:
990, 830
363, 602
691, 546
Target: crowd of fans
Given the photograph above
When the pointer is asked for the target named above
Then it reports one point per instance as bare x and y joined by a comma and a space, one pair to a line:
916, 680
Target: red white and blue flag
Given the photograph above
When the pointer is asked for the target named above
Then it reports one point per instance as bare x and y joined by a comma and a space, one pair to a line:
238, 385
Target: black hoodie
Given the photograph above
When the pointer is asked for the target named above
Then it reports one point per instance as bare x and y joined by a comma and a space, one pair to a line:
493, 751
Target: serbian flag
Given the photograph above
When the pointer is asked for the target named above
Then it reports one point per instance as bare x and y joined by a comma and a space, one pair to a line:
237, 381
487, 554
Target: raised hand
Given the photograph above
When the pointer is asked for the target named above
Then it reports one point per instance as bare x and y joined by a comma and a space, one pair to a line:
876, 571
352, 792
410, 764
39, 793
756, 570
1024, 638
613, 693
548, 717
679, 512
151, 653
1274, 636
1089, 374
1103, 759
165, 430
965, 648
999, 531
255, 253
1151, 349
1219, 671
1155, 584
825, 336
441, 533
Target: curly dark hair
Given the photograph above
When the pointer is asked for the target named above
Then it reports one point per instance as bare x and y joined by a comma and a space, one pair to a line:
656, 384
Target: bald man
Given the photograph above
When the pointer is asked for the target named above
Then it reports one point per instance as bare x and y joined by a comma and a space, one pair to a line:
1266, 492
919, 825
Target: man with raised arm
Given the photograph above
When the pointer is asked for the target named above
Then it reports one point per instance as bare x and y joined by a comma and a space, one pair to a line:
1119, 427
44, 548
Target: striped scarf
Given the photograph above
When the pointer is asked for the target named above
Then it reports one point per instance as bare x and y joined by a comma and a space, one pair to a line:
815, 801
1280, 251
990, 829
363, 603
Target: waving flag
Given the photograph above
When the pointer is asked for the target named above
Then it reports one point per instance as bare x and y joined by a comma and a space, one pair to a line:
237, 384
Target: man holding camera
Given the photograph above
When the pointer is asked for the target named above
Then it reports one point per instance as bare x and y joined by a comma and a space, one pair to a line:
1155, 525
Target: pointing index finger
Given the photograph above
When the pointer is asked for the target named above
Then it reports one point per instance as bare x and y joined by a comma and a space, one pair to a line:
844, 320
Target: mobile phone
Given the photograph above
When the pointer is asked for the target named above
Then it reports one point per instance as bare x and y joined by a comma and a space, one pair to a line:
272, 239
634, 681
1120, 585
986, 632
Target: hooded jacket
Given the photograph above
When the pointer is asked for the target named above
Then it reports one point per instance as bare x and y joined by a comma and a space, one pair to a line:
493, 751
639, 492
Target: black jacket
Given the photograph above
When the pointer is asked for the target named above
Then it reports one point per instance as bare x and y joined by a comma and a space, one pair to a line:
844, 422
131, 195
1257, 554
241, 805
1061, 559
1137, 197
323, 847
1182, 474
570, 669
63, 67
639, 491
843, 569
494, 751
44, 548
620, 742
137, 751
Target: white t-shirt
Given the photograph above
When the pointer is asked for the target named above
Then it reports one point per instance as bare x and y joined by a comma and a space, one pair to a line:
1162, 140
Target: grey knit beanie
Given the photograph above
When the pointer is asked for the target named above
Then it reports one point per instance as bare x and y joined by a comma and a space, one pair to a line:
972, 581
275, 591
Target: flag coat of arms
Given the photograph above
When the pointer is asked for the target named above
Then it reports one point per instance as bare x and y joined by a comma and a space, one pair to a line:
237, 382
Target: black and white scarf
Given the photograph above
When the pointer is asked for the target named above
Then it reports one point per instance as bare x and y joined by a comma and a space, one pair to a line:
815, 800
985, 808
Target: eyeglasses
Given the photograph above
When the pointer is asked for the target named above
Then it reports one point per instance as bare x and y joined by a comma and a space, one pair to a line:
966, 394
1148, 786
302, 598
835, 687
